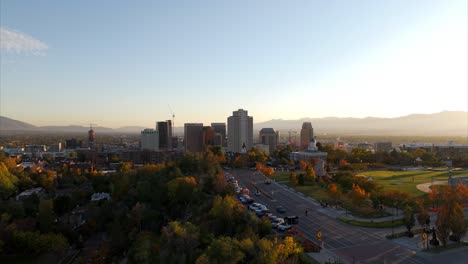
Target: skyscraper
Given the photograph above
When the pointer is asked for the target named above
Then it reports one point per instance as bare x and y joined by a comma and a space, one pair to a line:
240, 131
268, 136
164, 129
208, 136
149, 139
220, 134
307, 135
91, 136
193, 137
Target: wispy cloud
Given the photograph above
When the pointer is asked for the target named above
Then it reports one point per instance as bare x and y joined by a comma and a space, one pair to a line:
16, 42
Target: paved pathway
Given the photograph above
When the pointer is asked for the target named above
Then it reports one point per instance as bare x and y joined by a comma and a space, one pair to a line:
425, 187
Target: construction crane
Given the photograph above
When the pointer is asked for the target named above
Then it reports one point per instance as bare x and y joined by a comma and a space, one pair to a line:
173, 120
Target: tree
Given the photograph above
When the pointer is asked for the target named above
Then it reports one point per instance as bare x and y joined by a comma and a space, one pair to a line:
7, 182
334, 191
443, 225
34, 243
256, 155
423, 214
265, 170
46, 215
226, 215
293, 178
409, 220
179, 241
300, 179
358, 195
457, 222
181, 190
222, 250
62, 204
142, 250
310, 173
287, 249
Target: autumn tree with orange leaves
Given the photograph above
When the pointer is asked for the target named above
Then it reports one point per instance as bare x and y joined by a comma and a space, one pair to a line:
450, 216
265, 170
358, 195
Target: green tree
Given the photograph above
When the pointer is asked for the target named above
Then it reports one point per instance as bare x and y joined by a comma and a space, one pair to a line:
46, 215
409, 220
63, 204
300, 179
222, 250
34, 243
142, 249
179, 242
7, 182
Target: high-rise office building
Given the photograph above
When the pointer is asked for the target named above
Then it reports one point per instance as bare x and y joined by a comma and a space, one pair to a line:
208, 136
240, 131
220, 134
149, 139
307, 135
91, 136
268, 136
193, 137
164, 129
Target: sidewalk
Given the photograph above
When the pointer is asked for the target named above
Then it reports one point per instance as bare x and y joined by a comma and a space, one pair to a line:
325, 256
335, 213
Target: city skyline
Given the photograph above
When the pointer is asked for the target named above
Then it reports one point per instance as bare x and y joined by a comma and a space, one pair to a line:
126, 64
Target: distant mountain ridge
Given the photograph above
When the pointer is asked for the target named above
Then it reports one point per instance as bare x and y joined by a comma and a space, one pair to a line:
447, 123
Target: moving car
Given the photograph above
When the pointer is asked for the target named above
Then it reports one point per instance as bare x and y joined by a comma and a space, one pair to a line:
280, 209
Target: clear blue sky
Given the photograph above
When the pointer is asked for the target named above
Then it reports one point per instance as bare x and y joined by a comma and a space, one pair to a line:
118, 63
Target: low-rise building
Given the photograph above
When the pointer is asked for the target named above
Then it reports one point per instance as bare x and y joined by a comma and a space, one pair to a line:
38, 191
100, 196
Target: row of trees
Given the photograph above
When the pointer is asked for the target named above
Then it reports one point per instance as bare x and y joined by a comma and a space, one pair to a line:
362, 156
180, 211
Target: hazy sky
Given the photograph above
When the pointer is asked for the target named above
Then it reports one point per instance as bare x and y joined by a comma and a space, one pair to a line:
117, 63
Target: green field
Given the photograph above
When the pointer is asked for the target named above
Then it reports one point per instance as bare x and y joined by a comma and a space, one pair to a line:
309, 189
407, 181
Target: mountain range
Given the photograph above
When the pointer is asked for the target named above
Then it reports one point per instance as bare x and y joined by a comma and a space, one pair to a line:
447, 123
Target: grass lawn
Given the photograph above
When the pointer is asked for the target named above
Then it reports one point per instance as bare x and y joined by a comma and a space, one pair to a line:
384, 224
408, 180
309, 188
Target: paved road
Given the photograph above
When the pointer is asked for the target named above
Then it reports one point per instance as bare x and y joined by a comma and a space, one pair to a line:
347, 243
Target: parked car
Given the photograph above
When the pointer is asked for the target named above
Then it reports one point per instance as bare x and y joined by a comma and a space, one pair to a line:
260, 208
277, 222
280, 209
254, 206
284, 227
263, 212
272, 217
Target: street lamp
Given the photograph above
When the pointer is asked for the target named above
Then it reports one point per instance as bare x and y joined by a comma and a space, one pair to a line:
392, 228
